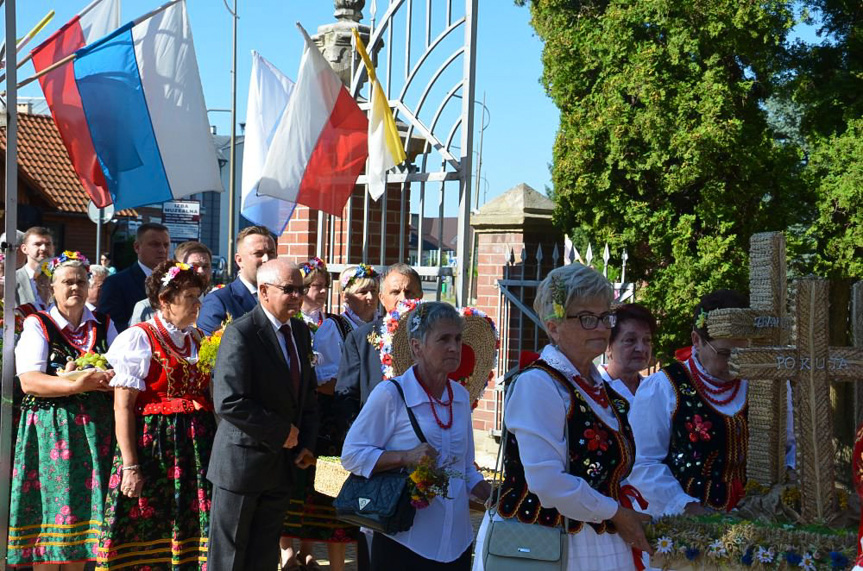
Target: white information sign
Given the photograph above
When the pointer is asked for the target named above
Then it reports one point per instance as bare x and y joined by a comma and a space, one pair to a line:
183, 219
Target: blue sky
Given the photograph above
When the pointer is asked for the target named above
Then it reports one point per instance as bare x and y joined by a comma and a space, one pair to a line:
523, 121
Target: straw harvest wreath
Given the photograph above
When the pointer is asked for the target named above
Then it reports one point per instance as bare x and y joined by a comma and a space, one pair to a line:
478, 355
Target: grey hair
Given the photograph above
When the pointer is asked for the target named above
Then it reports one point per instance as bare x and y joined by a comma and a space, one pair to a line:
97, 270
68, 264
403, 269
427, 315
270, 271
569, 285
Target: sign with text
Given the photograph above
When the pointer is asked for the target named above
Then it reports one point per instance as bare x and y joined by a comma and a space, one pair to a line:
183, 219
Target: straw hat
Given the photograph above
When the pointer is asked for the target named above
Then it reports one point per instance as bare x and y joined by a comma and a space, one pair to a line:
479, 347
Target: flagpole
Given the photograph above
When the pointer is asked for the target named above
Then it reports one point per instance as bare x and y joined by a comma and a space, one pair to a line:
232, 173
26, 39
10, 250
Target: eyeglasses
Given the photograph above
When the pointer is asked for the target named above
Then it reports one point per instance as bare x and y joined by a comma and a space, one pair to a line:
291, 289
591, 320
725, 353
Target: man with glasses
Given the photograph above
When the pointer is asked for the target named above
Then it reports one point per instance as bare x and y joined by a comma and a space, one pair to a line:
264, 394
690, 425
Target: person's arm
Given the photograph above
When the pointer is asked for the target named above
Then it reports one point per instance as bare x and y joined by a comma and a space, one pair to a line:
232, 392
650, 419
328, 345
212, 313
126, 429
31, 362
310, 421
347, 392
364, 450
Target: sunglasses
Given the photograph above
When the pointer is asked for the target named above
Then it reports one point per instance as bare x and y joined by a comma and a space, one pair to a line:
291, 289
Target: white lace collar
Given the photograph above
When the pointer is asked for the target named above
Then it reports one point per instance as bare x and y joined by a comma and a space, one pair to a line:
713, 380
555, 357
177, 335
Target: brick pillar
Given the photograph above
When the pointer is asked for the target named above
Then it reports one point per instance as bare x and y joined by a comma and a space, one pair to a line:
517, 222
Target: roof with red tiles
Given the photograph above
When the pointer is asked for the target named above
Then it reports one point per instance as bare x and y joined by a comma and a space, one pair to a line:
44, 163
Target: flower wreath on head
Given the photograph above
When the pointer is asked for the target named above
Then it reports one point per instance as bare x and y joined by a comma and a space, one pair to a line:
50, 266
558, 297
361, 271
173, 272
314, 264
383, 341
701, 320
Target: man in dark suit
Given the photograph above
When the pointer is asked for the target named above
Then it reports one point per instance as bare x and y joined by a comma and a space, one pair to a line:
124, 289
360, 366
255, 245
264, 393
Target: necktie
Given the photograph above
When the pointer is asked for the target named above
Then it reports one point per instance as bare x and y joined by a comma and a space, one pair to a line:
294, 364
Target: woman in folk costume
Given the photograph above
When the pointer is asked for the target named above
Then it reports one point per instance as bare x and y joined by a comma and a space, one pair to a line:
311, 516
63, 448
564, 392
157, 510
630, 349
690, 425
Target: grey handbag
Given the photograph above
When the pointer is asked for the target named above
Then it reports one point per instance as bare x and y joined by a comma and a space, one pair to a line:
511, 545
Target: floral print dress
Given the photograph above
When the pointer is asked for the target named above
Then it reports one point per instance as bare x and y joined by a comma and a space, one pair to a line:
167, 527
62, 457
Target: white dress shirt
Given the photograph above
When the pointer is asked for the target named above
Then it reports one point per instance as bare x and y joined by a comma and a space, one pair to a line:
616, 385
328, 345
442, 531
39, 303
535, 413
31, 351
147, 271
253, 289
650, 418
131, 354
277, 325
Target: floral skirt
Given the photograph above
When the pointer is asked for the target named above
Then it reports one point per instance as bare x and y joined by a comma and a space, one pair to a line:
311, 515
59, 478
167, 527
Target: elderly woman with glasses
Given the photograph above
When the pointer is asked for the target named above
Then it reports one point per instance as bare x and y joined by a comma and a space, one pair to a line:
630, 349
569, 446
690, 425
63, 449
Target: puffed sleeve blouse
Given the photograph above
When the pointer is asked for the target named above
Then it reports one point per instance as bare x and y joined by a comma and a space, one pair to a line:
131, 352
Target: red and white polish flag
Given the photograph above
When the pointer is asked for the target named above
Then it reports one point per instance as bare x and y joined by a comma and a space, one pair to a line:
321, 144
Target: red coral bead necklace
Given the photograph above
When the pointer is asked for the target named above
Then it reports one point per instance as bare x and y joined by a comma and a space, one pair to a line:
708, 390
433, 400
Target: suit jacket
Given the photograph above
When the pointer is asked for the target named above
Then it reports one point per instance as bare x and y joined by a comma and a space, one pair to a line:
255, 402
359, 372
235, 298
120, 293
23, 288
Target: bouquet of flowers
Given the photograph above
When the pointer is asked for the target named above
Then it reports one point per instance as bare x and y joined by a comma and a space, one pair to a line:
210, 348
427, 481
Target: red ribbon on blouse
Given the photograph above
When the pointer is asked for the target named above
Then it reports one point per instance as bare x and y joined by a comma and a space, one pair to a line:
629, 493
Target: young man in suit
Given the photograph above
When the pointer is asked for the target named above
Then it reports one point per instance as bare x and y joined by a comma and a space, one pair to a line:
38, 246
124, 289
264, 394
255, 245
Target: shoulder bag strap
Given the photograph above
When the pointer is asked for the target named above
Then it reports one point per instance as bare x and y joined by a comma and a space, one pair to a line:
411, 416
497, 481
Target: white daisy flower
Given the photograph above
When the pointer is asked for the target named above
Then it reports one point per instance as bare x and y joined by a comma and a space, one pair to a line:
664, 545
716, 549
764, 555
807, 562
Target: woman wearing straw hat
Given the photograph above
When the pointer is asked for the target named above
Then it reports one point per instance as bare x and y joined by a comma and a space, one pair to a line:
559, 409
382, 438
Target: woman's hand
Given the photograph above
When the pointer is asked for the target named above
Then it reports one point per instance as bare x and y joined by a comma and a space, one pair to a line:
411, 458
132, 483
630, 526
93, 381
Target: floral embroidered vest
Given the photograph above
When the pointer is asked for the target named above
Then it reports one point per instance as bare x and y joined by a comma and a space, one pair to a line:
173, 384
707, 449
61, 350
598, 454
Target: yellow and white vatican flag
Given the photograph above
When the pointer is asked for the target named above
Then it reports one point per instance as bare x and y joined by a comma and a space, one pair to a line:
385, 146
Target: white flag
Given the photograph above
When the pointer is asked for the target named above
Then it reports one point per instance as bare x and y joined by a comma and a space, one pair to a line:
269, 93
